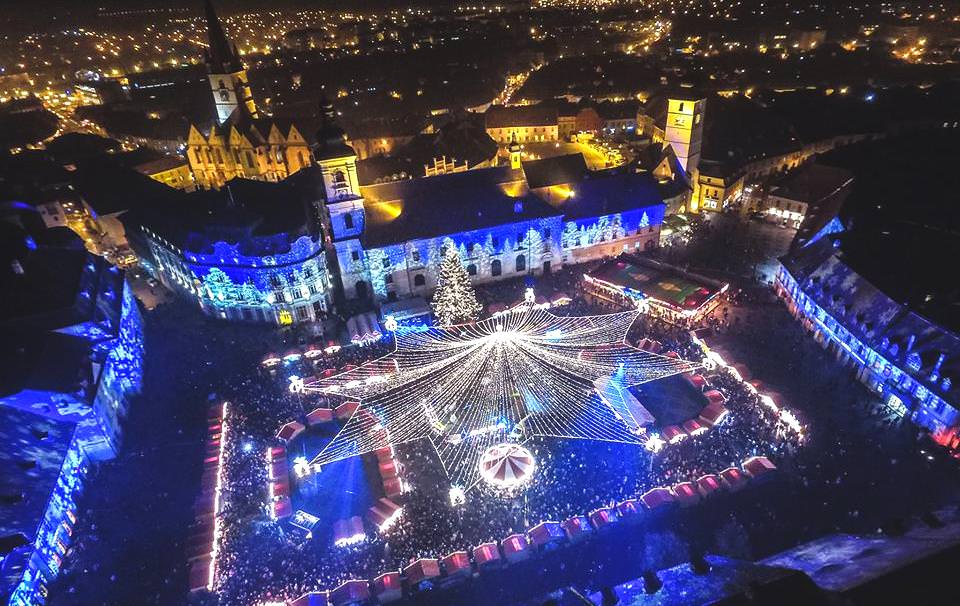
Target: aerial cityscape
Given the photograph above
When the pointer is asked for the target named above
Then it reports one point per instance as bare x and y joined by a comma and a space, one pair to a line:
533, 303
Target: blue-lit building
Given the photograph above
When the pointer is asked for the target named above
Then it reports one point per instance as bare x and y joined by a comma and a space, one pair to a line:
909, 361
253, 251
526, 218
44, 468
71, 365
279, 252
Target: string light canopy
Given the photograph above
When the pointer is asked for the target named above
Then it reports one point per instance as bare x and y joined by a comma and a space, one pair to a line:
521, 374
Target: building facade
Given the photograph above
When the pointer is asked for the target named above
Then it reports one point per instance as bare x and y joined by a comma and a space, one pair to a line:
508, 221
252, 252
906, 360
523, 123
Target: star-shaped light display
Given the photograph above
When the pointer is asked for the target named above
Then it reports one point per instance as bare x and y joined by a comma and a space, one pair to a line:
521, 374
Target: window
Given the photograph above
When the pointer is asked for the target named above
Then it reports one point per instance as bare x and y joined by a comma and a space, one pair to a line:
415, 255
419, 280
224, 94
348, 220
521, 263
388, 279
472, 269
361, 289
496, 268
355, 255
681, 106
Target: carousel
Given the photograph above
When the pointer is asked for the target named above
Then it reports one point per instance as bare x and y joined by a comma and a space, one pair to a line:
507, 466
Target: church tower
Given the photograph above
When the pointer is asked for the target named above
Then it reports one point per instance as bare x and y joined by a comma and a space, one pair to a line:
515, 153
228, 78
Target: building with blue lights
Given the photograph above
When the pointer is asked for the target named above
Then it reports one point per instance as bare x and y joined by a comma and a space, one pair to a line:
72, 364
278, 252
45, 465
252, 251
526, 218
908, 360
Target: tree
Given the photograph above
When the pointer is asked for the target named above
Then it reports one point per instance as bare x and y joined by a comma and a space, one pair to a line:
454, 301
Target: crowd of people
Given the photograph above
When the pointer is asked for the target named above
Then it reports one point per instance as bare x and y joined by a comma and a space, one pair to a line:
261, 559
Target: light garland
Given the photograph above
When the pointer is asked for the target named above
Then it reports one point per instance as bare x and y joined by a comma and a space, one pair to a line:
506, 379
217, 526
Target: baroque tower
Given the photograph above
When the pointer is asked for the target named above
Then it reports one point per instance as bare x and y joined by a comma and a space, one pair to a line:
228, 77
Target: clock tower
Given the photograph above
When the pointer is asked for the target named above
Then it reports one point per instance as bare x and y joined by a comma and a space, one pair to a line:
225, 71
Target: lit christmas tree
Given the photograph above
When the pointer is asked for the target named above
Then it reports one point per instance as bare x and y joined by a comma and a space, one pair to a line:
454, 301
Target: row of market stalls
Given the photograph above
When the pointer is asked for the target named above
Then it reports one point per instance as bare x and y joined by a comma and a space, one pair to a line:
202, 546
278, 479
347, 531
459, 565
664, 291
710, 415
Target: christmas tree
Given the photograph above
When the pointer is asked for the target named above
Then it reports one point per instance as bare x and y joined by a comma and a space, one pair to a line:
454, 301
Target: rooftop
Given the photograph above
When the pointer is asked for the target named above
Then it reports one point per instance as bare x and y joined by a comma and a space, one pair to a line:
813, 183
499, 116
32, 450
447, 204
657, 281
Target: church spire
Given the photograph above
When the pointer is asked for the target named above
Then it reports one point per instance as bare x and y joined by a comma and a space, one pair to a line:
222, 56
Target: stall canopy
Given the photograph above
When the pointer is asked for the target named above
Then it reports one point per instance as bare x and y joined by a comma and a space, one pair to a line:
601, 517
733, 478
290, 430
315, 598
758, 466
696, 380
686, 493
630, 507
657, 497
457, 564
349, 531
387, 587
714, 397
350, 592
708, 484
673, 434
423, 569
576, 527
713, 414
486, 554
546, 532
515, 547
319, 415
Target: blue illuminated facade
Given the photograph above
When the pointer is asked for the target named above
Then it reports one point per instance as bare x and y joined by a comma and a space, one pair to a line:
256, 255
901, 356
59, 433
388, 239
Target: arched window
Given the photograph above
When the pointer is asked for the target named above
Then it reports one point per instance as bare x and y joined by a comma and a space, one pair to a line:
521, 263
495, 267
419, 280
348, 220
472, 269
